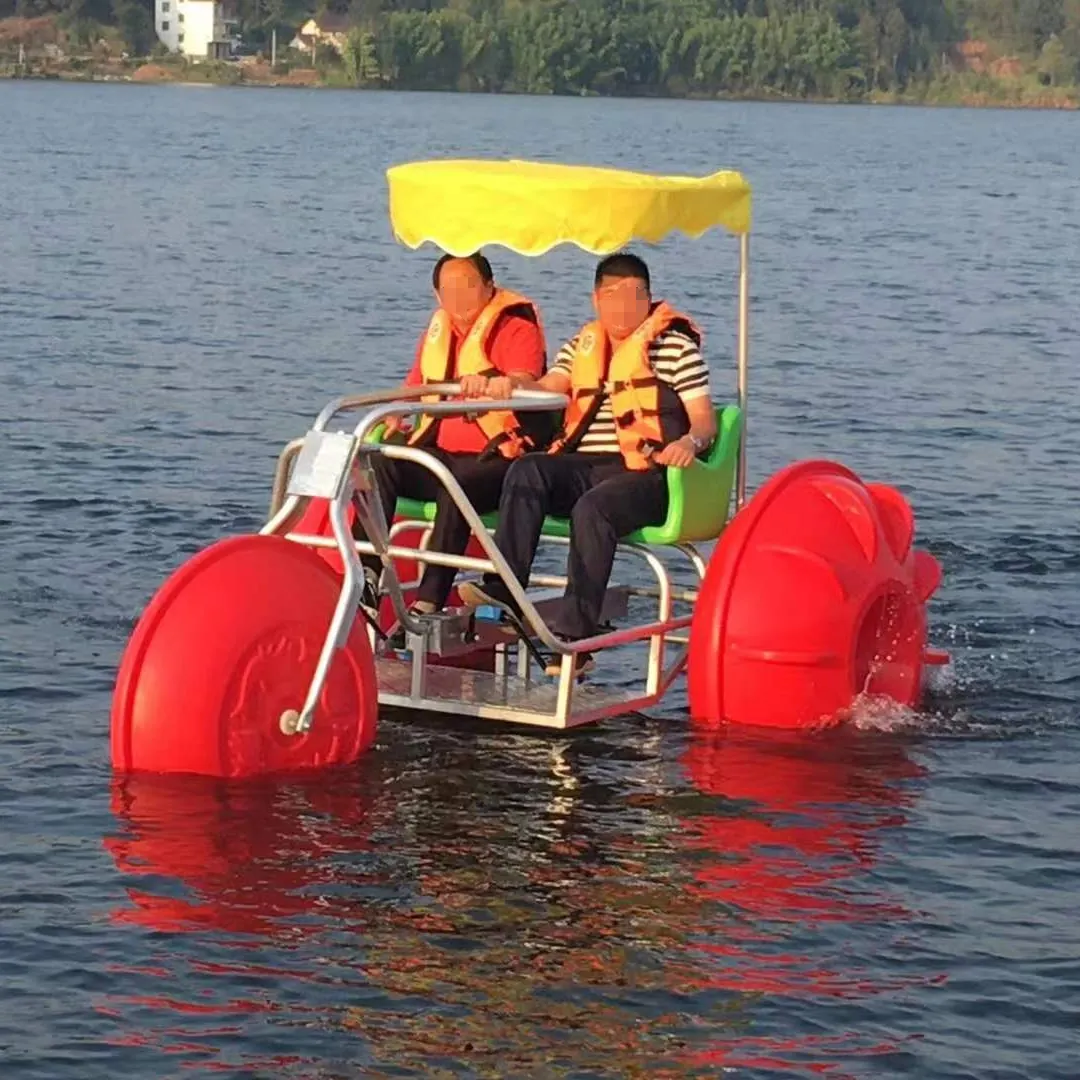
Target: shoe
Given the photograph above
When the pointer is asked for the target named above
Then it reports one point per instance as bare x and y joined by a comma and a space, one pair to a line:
397, 639
583, 664
495, 594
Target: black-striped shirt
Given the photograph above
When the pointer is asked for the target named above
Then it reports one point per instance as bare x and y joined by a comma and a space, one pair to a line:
675, 359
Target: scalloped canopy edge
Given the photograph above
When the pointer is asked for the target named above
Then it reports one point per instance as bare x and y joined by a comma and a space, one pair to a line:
532, 207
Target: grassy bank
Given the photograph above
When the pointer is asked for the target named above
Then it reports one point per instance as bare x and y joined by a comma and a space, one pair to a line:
958, 90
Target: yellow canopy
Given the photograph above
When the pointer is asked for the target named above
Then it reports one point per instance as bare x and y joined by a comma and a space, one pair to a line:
529, 207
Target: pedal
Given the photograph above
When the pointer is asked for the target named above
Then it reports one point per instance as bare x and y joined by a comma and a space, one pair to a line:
445, 633
448, 631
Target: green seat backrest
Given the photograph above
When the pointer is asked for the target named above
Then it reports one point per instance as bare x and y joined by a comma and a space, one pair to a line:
699, 497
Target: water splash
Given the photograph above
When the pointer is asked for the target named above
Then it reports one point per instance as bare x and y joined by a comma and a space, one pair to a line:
872, 712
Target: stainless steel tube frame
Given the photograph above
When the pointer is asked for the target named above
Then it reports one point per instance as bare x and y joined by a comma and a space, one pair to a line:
345, 611
521, 401
496, 563
479, 530
341, 624
467, 562
744, 362
404, 401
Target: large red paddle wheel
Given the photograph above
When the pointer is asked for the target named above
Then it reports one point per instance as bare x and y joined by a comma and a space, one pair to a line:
228, 644
813, 595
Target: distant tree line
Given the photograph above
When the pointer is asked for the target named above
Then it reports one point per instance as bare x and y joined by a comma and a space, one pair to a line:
844, 49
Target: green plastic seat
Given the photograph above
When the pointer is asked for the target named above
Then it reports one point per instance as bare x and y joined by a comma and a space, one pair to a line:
699, 497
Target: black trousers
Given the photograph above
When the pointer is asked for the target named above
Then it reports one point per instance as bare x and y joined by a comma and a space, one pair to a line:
481, 481
604, 501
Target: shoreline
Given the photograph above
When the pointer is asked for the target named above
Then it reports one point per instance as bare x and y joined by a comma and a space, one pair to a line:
309, 79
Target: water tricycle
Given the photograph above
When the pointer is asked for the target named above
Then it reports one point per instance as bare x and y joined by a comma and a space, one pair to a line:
254, 656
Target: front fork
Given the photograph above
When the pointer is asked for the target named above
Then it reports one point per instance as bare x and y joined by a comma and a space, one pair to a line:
359, 488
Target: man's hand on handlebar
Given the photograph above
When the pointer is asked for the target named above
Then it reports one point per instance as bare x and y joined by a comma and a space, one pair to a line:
498, 388
473, 385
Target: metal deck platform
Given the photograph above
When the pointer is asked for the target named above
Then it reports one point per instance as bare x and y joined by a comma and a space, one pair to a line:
546, 702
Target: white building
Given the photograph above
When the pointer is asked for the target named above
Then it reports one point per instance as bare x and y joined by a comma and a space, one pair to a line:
326, 29
197, 28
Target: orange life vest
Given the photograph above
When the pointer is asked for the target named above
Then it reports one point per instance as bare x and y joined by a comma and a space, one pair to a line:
634, 388
503, 429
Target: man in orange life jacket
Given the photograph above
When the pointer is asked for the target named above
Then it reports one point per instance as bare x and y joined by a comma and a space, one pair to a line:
639, 401
490, 340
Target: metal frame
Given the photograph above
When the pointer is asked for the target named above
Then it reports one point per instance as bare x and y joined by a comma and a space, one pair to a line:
744, 364
415, 683
499, 696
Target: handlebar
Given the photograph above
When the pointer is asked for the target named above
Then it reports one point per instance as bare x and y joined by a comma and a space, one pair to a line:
404, 400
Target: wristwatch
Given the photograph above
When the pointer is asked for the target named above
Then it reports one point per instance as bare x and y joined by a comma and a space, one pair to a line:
701, 444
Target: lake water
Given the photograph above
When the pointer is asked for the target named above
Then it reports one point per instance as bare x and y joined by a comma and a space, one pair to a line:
188, 274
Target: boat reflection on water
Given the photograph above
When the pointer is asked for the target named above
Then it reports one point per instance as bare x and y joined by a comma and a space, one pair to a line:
247, 855
233, 884
786, 850
531, 907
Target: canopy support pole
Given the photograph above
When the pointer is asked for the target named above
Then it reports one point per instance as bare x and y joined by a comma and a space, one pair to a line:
744, 357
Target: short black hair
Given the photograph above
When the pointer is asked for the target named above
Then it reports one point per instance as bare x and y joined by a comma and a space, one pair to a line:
483, 267
622, 265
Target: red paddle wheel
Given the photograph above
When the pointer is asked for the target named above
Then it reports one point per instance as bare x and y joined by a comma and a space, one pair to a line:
813, 595
228, 644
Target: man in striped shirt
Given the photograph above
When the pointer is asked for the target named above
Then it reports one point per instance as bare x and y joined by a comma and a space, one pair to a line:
639, 402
